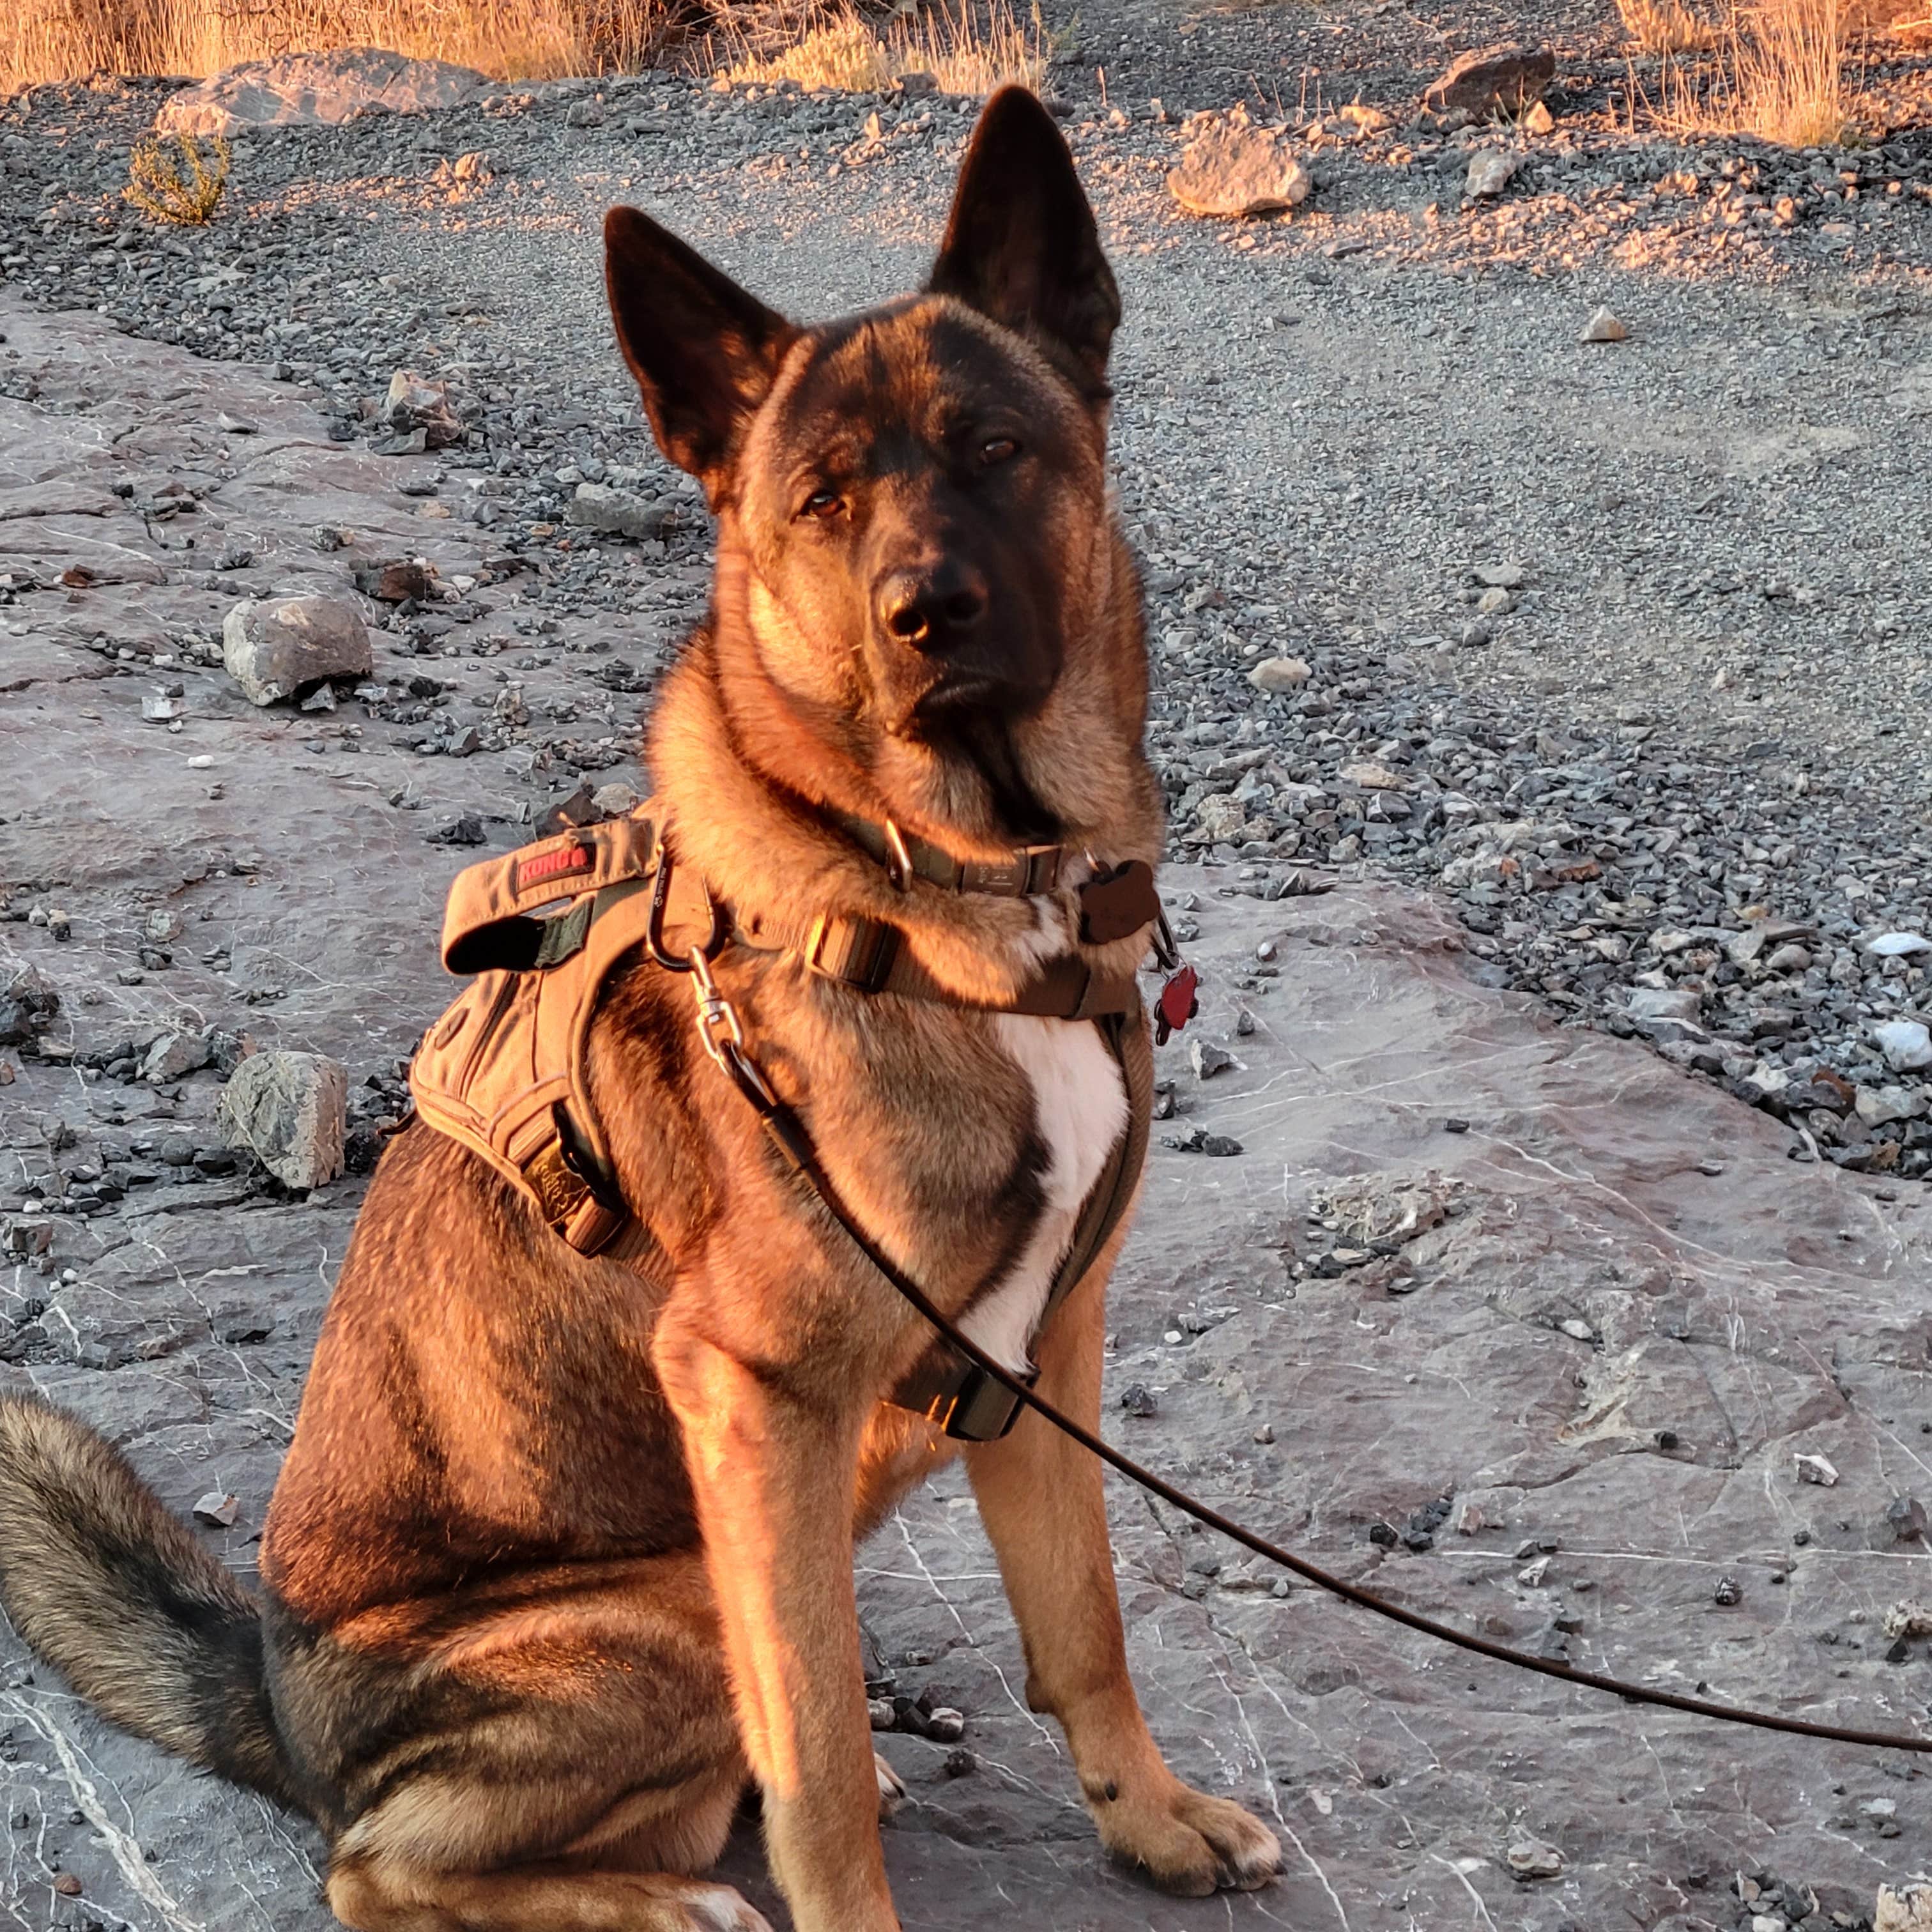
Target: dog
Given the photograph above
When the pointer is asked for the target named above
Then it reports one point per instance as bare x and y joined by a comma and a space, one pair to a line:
559, 1568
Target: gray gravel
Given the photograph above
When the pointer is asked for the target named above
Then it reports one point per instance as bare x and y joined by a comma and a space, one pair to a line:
1617, 643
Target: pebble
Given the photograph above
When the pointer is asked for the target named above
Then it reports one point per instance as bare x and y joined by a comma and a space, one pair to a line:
1137, 1399
1815, 1469
277, 650
218, 1511
1207, 1060
1602, 326
1279, 674
1533, 1857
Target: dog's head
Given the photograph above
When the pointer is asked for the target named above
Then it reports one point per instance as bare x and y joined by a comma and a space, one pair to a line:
923, 601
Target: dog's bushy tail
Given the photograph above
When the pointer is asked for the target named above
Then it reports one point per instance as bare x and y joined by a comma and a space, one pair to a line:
102, 1582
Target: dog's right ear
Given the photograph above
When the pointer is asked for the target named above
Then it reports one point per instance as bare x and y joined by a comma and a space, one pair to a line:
704, 352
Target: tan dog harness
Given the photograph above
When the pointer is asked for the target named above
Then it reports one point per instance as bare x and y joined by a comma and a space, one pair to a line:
504, 1070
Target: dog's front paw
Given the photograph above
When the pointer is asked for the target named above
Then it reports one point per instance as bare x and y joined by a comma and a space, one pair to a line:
1186, 1842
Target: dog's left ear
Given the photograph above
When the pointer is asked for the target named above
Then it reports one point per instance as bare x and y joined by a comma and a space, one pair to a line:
704, 350
1021, 246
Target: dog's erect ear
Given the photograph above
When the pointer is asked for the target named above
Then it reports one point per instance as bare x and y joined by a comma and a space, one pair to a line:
704, 352
1021, 245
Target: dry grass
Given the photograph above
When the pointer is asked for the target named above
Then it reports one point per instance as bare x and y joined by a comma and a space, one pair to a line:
1777, 72
1665, 26
966, 49
178, 180
42, 41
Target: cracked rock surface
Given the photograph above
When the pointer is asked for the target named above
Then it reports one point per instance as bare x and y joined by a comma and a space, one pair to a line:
1517, 1323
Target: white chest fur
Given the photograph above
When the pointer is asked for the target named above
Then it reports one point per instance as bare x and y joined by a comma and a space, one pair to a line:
1080, 1106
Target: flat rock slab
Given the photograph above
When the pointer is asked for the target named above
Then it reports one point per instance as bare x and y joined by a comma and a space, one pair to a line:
307, 90
1562, 1414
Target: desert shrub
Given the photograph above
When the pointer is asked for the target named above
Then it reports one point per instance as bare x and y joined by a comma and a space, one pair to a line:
178, 180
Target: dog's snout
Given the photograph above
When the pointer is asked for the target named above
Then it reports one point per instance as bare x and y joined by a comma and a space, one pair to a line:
933, 610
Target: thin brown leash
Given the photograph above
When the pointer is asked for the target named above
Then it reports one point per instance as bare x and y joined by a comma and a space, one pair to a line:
724, 1038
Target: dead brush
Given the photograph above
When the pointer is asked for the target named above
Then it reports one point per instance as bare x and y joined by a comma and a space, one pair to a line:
966, 50
1777, 72
51, 40
1665, 27
175, 181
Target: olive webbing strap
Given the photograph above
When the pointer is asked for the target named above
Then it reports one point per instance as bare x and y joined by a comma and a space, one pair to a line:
789, 1135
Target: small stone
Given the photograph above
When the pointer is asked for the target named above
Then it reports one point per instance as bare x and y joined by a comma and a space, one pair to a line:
173, 1056
1602, 326
1490, 172
1896, 945
615, 800
1265, 1433
217, 1511
1371, 777
1207, 1060
414, 409
465, 830
321, 698
1278, 674
28, 1002
235, 425
1137, 1399
1815, 1469
584, 114
1220, 1147
278, 650
1538, 120
944, 1725
880, 1712
1533, 1858
1727, 1591
597, 506
399, 581
1496, 602
960, 1763
1905, 1044
1906, 1517
290, 1110
1578, 1330
161, 710
1231, 169
1499, 576
1454, 1123
67, 1886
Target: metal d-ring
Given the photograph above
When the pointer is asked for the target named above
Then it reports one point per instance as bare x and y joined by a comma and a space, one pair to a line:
654, 940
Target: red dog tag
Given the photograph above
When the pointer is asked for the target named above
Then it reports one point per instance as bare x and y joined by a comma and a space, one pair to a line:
1177, 1005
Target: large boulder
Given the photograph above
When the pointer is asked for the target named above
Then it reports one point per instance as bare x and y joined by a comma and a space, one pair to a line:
1500, 79
290, 1110
1231, 168
279, 648
317, 90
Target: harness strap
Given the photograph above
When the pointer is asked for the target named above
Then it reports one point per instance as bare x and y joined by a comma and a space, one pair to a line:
946, 1388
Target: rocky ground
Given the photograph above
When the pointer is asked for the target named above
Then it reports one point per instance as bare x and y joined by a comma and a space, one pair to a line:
1593, 691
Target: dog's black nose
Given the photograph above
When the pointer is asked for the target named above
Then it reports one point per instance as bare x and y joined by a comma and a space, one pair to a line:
933, 610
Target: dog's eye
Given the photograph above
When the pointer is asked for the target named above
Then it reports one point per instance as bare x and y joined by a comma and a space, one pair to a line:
999, 449
822, 504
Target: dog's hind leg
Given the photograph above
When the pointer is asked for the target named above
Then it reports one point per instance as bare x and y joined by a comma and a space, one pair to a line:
1040, 1497
552, 1751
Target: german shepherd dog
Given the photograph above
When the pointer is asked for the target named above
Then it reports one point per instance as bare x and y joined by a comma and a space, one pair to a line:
559, 1563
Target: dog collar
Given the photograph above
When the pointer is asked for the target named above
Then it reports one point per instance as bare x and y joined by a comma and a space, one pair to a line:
1027, 870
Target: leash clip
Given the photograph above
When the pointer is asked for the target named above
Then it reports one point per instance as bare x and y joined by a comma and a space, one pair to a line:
723, 1033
